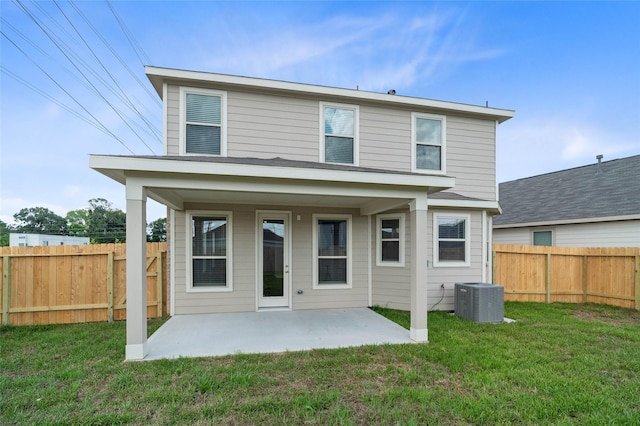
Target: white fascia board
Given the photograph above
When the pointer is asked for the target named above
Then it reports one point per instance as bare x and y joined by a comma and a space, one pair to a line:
465, 204
116, 168
158, 75
569, 221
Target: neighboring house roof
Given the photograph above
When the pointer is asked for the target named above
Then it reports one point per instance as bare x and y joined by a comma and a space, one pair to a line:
609, 190
158, 76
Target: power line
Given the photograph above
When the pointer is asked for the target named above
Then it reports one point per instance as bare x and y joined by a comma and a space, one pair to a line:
35, 20
67, 93
134, 44
122, 62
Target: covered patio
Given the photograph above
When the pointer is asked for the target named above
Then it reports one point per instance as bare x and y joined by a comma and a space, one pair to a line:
180, 182
222, 334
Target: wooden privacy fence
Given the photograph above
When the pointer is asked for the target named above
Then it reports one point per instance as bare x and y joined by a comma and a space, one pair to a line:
562, 274
72, 284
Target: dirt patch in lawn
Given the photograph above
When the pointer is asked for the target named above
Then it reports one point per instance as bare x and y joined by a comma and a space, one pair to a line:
622, 317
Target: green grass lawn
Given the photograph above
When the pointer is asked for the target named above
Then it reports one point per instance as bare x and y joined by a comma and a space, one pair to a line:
558, 364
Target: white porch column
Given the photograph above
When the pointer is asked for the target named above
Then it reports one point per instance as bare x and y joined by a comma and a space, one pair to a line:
136, 348
418, 211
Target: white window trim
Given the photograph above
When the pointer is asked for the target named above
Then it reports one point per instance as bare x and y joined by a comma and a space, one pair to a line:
314, 239
553, 235
467, 250
379, 261
356, 130
443, 150
189, 243
183, 119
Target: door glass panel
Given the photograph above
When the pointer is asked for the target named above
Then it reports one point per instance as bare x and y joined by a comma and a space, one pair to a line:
273, 258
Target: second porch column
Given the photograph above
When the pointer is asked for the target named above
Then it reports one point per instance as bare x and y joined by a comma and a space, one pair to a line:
136, 348
418, 331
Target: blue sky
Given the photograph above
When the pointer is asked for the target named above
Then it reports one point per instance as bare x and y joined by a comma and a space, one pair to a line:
570, 70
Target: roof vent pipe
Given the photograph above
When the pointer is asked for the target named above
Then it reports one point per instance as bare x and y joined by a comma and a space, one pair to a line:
599, 158
391, 92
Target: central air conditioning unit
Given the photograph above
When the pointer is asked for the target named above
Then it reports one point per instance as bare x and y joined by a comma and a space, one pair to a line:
479, 302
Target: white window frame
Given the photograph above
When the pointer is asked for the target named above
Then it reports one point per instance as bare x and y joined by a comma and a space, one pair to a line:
414, 143
356, 131
189, 243
553, 236
401, 240
183, 119
314, 239
436, 240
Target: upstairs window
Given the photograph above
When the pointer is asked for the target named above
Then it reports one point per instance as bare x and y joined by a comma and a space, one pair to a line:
451, 242
339, 138
428, 150
204, 130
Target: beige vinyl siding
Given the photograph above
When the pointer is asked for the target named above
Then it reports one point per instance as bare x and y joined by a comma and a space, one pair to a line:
173, 120
267, 126
385, 138
358, 295
391, 285
243, 296
471, 156
450, 276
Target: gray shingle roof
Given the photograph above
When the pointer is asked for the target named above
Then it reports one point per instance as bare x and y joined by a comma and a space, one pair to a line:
273, 162
611, 189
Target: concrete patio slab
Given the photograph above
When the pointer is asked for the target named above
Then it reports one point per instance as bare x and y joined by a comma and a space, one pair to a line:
270, 332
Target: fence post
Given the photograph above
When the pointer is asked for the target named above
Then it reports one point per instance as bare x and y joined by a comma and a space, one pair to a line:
6, 289
110, 288
548, 280
638, 283
159, 282
585, 259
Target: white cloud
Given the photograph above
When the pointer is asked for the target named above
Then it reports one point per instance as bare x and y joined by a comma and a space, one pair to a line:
373, 52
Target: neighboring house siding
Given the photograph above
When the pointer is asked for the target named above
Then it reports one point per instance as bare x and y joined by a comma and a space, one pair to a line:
391, 284
518, 236
601, 234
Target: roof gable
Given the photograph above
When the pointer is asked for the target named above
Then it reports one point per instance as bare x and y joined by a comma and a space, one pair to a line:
594, 191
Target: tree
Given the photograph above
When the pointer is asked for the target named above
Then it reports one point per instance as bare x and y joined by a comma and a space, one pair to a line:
40, 220
157, 230
78, 222
104, 223
4, 234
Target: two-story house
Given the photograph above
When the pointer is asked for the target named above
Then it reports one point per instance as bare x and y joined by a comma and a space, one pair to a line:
293, 196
